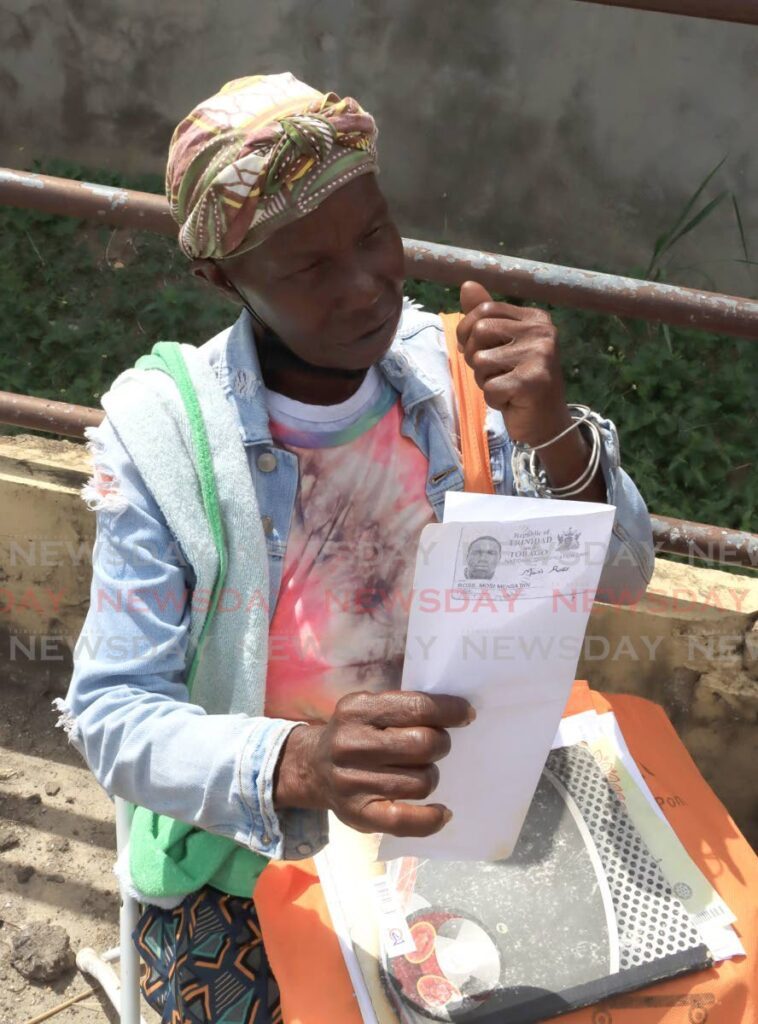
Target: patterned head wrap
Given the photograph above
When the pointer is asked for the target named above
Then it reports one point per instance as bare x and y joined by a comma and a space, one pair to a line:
262, 152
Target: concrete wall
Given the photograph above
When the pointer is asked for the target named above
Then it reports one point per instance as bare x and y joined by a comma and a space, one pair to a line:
543, 128
46, 538
691, 644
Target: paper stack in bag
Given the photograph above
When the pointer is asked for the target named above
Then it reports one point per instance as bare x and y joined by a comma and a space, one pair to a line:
598, 898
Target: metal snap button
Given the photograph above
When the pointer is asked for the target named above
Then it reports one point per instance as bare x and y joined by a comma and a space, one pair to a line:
266, 462
305, 848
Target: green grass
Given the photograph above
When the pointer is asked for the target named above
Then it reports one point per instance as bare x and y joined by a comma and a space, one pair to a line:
80, 302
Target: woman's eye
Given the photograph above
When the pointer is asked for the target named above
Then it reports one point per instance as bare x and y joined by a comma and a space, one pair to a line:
374, 231
308, 269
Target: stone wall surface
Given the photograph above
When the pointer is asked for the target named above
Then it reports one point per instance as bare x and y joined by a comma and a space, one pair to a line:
557, 131
46, 538
691, 645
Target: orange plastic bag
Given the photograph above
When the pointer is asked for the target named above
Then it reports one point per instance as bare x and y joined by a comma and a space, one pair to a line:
477, 475
726, 993
315, 987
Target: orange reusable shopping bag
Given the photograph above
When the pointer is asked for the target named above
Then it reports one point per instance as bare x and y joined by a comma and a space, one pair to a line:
301, 942
315, 987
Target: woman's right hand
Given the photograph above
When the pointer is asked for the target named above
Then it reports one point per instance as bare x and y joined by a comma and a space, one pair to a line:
377, 751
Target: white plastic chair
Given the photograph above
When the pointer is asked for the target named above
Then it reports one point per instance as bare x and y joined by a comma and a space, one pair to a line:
123, 992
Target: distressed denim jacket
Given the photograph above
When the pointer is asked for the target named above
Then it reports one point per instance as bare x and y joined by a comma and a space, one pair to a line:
128, 709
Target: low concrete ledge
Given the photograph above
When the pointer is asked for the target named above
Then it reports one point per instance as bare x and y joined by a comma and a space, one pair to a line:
46, 538
690, 644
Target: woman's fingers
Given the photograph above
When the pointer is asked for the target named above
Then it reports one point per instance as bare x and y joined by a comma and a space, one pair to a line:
397, 818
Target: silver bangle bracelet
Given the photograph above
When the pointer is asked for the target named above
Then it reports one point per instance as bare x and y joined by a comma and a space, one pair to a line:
524, 461
582, 481
585, 412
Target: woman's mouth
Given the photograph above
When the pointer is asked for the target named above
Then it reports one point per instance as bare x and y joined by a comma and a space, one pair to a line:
372, 334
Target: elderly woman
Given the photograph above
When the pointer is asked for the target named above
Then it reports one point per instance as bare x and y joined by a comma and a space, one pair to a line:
337, 398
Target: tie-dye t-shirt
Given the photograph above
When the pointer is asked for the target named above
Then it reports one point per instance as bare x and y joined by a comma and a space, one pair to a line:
340, 621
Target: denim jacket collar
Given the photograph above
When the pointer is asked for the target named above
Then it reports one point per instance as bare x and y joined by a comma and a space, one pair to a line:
238, 369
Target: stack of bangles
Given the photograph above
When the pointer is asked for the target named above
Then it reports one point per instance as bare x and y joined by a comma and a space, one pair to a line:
524, 461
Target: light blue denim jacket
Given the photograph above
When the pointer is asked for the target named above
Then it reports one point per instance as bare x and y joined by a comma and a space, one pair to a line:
128, 709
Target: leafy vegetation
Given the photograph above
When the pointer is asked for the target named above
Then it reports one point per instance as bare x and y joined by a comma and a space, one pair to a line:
80, 302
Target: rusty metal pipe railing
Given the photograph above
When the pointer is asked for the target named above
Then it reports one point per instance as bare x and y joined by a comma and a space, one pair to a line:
586, 289
121, 207
449, 265
44, 414
674, 536
524, 279
744, 11
709, 543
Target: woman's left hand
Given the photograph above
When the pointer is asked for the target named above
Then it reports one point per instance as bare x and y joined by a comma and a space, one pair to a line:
513, 351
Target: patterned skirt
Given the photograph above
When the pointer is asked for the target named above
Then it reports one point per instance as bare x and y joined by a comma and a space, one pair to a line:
204, 962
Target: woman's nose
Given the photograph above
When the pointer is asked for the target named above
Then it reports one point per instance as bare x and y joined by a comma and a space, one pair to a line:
362, 290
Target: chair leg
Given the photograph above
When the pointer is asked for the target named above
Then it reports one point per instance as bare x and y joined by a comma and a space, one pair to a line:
128, 915
99, 968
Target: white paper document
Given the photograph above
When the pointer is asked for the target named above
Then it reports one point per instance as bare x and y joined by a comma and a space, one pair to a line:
501, 596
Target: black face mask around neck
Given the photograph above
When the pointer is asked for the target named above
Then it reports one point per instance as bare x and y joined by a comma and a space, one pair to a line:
258, 319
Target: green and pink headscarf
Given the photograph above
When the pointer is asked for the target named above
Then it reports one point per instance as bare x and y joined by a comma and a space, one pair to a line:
262, 152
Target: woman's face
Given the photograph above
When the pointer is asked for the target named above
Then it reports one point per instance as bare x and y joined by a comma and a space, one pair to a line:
330, 284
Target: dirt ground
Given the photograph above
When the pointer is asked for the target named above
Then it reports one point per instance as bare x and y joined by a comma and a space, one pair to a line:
57, 847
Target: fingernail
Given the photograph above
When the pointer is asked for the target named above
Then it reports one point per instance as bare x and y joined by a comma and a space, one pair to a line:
446, 816
471, 717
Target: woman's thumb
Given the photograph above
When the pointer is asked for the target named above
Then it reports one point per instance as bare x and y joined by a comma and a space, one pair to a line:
472, 293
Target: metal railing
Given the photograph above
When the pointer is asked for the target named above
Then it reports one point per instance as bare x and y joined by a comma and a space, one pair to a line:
584, 289
121, 207
744, 11
449, 265
674, 536
46, 414
522, 279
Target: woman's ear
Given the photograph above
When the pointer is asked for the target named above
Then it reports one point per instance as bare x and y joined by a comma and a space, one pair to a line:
210, 272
